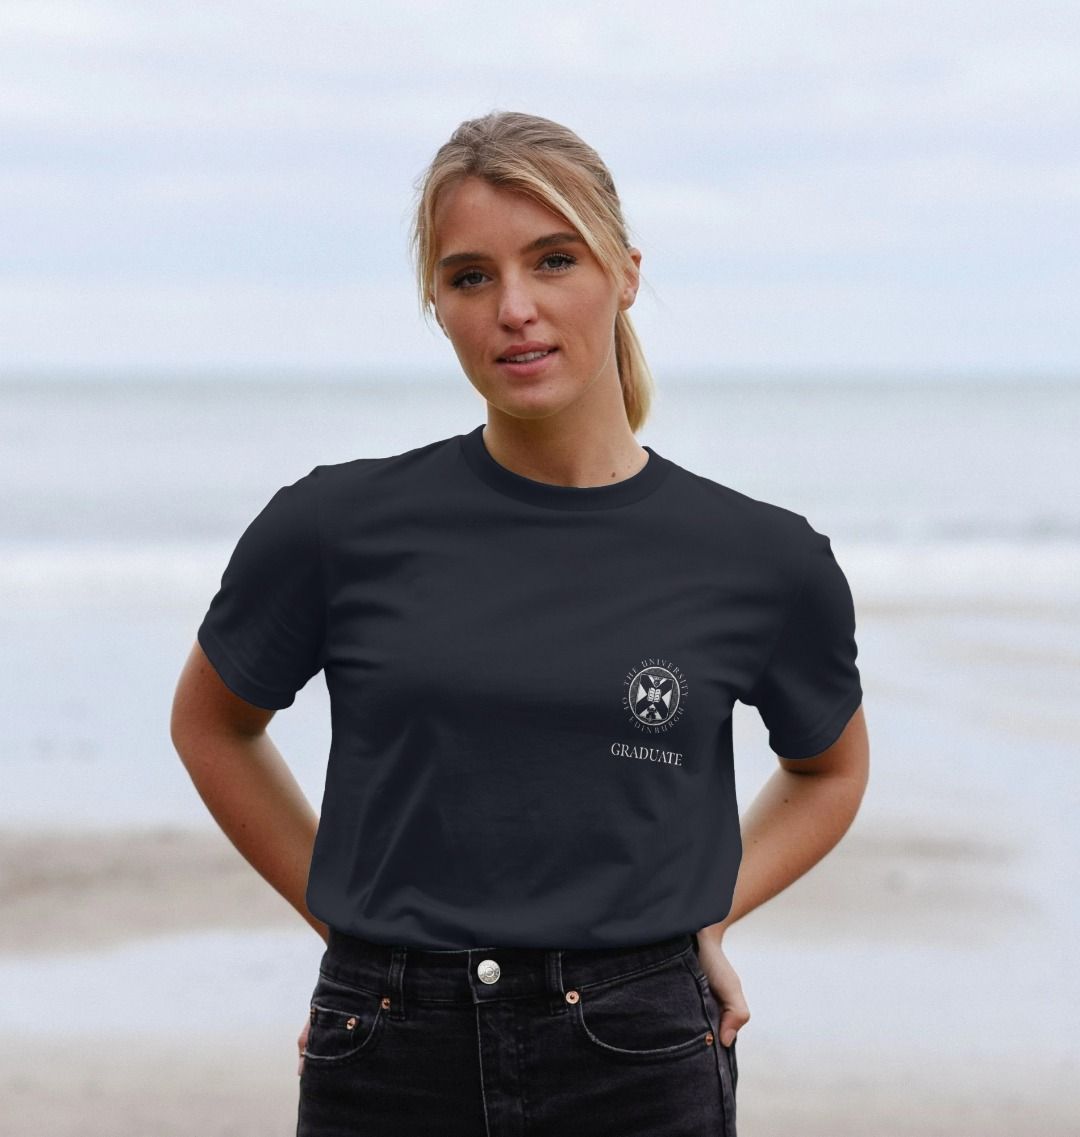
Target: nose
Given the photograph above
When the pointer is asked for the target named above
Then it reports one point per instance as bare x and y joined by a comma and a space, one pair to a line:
517, 305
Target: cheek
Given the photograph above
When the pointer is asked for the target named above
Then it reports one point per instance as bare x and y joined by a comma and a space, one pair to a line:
595, 320
459, 328
590, 300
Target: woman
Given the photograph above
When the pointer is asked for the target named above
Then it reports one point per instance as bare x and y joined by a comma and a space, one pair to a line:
533, 635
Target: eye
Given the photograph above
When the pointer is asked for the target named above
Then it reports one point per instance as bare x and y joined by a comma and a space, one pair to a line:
459, 280
564, 261
566, 258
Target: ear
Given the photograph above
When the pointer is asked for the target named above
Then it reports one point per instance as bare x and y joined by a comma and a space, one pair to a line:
628, 294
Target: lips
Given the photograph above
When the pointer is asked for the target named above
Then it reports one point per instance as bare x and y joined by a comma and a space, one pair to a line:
525, 349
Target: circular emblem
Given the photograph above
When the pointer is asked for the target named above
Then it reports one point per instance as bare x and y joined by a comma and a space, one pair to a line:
654, 693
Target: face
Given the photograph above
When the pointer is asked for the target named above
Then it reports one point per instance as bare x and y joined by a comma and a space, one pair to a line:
528, 281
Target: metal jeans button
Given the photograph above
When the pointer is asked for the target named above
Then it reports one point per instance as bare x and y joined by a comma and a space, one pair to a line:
489, 971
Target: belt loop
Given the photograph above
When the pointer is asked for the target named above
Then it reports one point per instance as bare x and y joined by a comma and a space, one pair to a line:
395, 981
554, 977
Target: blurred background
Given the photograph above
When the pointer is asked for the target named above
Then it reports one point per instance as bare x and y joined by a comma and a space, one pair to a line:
861, 260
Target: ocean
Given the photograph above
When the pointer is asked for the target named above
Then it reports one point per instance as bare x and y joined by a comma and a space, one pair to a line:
953, 508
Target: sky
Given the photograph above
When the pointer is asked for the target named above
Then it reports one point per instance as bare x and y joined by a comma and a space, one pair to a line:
817, 187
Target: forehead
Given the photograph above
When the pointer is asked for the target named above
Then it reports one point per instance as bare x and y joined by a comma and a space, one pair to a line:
474, 210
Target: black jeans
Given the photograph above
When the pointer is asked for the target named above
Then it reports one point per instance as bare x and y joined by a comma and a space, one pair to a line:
515, 1042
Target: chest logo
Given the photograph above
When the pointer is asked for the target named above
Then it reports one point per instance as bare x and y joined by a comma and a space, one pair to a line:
654, 695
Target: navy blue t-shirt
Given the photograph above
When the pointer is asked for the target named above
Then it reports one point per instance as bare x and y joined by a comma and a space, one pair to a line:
531, 687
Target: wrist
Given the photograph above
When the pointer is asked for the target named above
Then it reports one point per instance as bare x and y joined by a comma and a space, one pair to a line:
714, 933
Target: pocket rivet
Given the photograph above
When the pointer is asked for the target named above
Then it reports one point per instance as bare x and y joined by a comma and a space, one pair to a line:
351, 1023
709, 1039
385, 1002
572, 996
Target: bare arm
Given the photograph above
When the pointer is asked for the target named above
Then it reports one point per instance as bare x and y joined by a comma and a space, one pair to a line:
800, 814
244, 781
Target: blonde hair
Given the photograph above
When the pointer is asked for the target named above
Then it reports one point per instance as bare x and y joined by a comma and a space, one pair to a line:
553, 166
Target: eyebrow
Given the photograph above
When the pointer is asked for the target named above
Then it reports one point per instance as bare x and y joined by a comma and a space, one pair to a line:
539, 243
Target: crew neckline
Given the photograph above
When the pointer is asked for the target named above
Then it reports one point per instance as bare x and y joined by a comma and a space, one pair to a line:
515, 485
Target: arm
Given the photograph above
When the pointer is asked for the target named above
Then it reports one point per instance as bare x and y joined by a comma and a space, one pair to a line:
244, 781
800, 814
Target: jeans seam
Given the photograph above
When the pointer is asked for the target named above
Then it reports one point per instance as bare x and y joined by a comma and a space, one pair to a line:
645, 970
336, 977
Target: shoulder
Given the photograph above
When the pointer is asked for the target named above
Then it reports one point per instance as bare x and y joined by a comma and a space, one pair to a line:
412, 466
761, 530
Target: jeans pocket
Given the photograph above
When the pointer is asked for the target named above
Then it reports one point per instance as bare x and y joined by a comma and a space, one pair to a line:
345, 1022
652, 1015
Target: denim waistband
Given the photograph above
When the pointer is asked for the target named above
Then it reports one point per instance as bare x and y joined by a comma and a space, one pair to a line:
486, 973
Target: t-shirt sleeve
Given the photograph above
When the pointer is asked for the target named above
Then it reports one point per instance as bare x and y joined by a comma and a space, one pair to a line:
810, 685
265, 630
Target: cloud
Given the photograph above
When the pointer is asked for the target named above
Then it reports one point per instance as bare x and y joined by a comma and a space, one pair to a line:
251, 165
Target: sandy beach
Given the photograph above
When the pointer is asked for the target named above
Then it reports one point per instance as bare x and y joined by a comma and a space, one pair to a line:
66, 893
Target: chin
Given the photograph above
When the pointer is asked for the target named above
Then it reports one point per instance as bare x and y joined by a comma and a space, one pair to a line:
529, 413
522, 403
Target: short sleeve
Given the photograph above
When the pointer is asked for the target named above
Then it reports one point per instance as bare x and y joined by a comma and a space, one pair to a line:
810, 685
264, 631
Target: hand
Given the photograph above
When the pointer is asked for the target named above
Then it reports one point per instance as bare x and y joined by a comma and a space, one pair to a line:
301, 1042
725, 986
